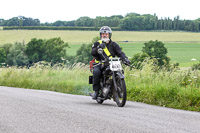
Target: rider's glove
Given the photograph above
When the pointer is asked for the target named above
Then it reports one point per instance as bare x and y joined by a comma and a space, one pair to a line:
102, 45
100, 51
127, 62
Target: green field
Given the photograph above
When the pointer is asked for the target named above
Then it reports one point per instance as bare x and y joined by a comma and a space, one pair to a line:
182, 46
178, 52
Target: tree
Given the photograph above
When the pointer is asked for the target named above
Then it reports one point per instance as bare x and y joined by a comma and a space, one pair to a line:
135, 21
17, 56
117, 16
101, 21
59, 23
1, 22
156, 49
35, 50
83, 54
84, 21
2, 56
30, 21
132, 14
131, 23
6, 47
114, 22
70, 23
54, 50
12, 22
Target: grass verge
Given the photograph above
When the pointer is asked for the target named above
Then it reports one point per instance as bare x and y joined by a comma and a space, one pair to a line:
176, 89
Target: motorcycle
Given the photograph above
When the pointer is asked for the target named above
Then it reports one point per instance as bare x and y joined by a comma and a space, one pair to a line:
112, 81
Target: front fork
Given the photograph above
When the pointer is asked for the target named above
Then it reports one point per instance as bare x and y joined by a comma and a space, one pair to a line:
114, 81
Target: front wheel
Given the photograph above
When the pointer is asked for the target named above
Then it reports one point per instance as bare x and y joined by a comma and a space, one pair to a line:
120, 95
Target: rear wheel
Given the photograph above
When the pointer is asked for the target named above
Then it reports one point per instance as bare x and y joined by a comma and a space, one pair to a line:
120, 95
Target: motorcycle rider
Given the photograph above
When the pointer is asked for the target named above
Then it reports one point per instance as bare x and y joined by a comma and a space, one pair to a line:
110, 49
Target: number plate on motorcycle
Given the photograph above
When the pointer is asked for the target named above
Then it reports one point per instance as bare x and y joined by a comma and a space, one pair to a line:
115, 65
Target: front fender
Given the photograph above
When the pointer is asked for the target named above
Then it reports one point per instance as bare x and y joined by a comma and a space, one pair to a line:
121, 75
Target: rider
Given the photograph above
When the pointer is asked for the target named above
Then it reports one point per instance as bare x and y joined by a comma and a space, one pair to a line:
110, 49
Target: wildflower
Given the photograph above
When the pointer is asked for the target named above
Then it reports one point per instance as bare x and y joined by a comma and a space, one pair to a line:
195, 77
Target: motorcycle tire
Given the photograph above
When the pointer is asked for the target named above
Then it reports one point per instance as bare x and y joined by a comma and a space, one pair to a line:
121, 94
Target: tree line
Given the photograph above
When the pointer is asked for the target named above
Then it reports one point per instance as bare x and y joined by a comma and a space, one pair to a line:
20, 54
131, 21
53, 51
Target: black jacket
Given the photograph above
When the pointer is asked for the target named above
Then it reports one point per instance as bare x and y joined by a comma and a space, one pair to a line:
113, 48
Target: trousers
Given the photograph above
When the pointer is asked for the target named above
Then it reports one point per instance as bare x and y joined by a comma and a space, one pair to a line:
97, 72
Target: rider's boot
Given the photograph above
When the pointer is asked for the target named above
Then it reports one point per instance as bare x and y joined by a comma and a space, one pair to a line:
95, 95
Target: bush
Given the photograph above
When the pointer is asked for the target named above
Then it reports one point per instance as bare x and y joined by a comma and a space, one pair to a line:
156, 49
17, 55
196, 66
35, 50
137, 60
52, 50
2, 56
4, 51
7, 47
83, 54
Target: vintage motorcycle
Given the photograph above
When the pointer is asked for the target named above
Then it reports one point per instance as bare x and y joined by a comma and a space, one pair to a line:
112, 81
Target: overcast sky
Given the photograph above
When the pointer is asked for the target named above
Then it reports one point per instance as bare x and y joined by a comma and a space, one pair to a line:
66, 10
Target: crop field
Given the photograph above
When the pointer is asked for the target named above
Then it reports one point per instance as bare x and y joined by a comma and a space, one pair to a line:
75, 37
182, 46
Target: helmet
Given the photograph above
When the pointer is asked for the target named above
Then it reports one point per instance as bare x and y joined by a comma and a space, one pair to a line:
105, 29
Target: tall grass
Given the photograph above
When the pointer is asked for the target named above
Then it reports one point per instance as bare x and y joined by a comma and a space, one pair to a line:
71, 80
176, 88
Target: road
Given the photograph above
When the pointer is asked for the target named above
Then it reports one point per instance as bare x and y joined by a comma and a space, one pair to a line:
39, 111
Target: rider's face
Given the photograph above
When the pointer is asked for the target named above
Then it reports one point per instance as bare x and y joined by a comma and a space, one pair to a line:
104, 35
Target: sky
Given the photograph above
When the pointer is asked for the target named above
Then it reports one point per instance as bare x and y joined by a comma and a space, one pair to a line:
67, 10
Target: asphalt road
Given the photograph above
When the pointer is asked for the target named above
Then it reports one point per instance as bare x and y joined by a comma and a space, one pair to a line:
37, 111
